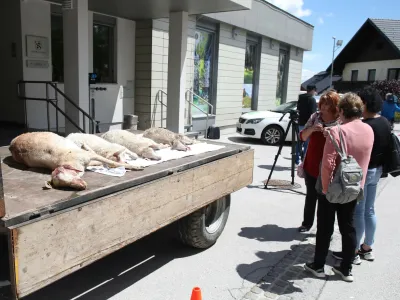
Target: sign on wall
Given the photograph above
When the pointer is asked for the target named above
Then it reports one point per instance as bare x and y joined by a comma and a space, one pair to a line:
37, 46
41, 64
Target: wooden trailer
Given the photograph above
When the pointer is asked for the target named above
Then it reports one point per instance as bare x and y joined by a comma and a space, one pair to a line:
53, 233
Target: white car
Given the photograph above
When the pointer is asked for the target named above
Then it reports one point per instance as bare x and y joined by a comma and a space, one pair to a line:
269, 126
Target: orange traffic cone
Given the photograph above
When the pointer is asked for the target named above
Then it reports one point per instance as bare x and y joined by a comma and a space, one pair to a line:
196, 294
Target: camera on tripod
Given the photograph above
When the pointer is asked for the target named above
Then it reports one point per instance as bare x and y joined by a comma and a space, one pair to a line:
295, 141
293, 115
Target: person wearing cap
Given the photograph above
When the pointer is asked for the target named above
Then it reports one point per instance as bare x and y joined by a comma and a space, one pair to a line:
390, 107
306, 106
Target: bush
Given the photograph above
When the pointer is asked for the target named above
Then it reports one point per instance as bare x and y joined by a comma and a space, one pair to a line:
387, 86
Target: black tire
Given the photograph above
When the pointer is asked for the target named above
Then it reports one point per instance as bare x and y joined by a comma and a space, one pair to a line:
202, 228
272, 135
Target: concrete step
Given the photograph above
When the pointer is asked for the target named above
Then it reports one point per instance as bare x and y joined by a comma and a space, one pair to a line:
193, 134
188, 127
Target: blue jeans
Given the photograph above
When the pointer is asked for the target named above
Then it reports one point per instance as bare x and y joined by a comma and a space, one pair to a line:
364, 214
304, 146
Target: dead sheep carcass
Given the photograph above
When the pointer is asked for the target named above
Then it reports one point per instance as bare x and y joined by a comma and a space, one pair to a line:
102, 147
140, 145
51, 151
177, 141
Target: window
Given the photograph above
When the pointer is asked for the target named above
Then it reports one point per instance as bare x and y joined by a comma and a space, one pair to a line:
354, 75
371, 75
393, 74
250, 70
103, 52
57, 50
282, 69
103, 48
204, 55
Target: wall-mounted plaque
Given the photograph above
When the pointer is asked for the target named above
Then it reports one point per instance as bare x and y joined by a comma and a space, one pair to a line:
37, 46
41, 64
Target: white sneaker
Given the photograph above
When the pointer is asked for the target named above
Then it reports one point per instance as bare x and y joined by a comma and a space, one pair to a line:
367, 255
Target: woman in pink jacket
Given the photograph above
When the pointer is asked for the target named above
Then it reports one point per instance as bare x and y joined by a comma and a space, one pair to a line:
358, 140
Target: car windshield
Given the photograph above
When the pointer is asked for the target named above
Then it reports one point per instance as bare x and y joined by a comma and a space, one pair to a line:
285, 107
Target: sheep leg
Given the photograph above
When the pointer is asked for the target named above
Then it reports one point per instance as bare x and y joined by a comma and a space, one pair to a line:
131, 154
115, 164
87, 148
95, 163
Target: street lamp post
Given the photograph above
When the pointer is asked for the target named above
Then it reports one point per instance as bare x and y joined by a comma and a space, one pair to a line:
336, 45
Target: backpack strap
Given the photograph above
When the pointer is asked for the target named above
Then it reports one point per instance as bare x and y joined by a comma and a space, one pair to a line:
342, 142
339, 150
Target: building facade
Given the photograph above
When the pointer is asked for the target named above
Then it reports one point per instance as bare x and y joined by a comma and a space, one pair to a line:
152, 60
373, 54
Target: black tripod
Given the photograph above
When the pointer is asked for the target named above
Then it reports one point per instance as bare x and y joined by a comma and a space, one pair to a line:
293, 123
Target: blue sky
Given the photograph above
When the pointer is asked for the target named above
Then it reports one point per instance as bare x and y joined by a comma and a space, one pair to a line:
339, 18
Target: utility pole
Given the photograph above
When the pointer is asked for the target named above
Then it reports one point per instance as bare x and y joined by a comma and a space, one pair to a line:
336, 45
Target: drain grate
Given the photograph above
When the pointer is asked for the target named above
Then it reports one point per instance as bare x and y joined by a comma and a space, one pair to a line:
281, 184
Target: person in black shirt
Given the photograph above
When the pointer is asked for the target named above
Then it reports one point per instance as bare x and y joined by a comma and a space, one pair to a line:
364, 214
306, 106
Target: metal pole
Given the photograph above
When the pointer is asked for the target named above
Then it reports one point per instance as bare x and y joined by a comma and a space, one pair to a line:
94, 115
333, 58
48, 108
162, 109
56, 98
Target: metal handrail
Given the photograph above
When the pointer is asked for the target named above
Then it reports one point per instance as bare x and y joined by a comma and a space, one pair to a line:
162, 104
190, 102
95, 124
202, 99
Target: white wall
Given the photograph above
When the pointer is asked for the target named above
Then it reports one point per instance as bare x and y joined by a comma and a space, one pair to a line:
35, 20
10, 24
268, 74
294, 74
231, 60
152, 68
111, 105
270, 21
363, 67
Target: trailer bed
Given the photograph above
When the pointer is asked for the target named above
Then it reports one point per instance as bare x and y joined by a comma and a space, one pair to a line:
53, 233
25, 199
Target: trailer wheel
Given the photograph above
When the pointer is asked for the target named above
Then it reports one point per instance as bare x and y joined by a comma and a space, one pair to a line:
202, 228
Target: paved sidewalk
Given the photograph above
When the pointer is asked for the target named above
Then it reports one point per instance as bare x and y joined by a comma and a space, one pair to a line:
288, 280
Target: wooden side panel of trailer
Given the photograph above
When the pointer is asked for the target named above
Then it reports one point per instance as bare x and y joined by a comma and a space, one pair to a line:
48, 249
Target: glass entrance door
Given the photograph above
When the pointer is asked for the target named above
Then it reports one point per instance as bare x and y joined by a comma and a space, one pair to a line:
203, 69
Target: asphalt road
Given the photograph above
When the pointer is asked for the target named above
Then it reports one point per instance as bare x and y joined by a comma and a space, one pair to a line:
261, 230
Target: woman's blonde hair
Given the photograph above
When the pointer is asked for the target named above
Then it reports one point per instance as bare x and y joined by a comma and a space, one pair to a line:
352, 105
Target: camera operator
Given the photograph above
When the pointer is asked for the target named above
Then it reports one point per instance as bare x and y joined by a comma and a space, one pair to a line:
306, 105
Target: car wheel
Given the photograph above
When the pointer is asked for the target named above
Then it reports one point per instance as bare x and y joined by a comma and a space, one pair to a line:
272, 135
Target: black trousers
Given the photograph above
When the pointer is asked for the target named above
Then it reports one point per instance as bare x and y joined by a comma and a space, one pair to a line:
325, 227
311, 201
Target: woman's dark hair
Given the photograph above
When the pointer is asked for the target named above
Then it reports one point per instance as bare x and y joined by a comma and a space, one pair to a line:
371, 99
351, 105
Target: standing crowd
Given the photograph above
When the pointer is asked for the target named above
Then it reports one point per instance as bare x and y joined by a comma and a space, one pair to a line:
356, 126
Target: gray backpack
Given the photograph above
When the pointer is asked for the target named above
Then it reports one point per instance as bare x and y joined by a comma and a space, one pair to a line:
346, 184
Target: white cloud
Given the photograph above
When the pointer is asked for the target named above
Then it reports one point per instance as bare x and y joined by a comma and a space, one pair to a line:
311, 56
329, 15
307, 74
320, 20
293, 6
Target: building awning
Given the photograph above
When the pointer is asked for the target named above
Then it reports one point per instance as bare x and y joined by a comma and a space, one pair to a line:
155, 9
